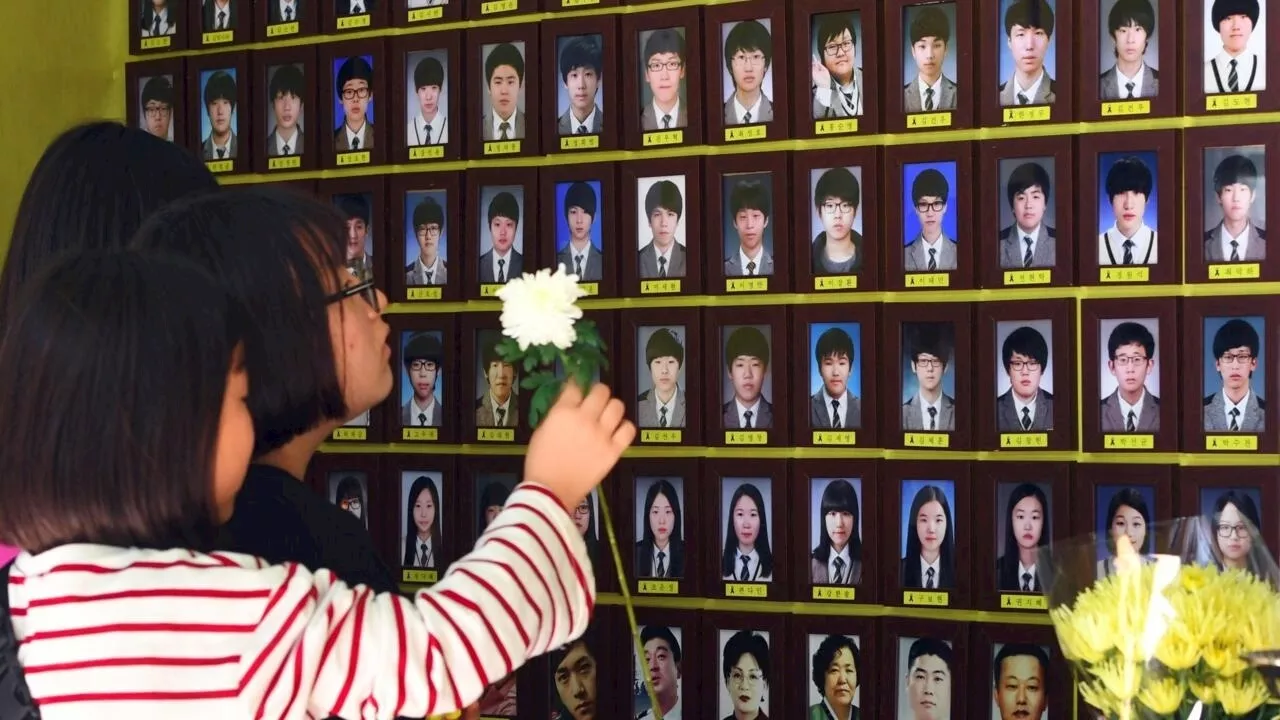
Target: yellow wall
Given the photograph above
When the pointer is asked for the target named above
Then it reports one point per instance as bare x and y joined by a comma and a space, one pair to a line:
66, 64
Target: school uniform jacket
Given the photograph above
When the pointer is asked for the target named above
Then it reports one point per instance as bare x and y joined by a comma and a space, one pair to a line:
911, 419
1008, 420
763, 419
1215, 414
913, 103
1110, 90
647, 410
1046, 94
1012, 249
649, 261
1114, 421
1256, 251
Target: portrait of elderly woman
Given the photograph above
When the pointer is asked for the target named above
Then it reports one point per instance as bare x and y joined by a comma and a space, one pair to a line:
836, 663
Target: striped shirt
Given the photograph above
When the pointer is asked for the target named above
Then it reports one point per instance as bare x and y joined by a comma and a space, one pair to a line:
108, 632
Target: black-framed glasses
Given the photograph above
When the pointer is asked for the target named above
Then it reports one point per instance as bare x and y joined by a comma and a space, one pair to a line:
366, 290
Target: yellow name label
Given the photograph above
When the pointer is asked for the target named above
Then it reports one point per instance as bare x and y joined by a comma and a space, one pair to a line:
835, 127
578, 3
346, 433
496, 434
828, 592
218, 38
1124, 274
426, 152
355, 21
1242, 101
1028, 277
1035, 113
502, 147
836, 282
424, 293
419, 577
154, 43
659, 587
746, 437
425, 14
287, 162
1236, 271
746, 590
490, 289
749, 284
1024, 440
920, 121
499, 6
360, 157
580, 142
662, 137
933, 441
751, 132
220, 166
835, 437
925, 597
420, 433
918, 280
590, 289
1024, 602
664, 435
658, 287
281, 29
1231, 442
1126, 107
1129, 442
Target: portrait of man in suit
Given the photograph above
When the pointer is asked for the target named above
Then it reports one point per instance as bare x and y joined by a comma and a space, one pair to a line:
928, 348
835, 665
155, 103
504, 102
428, 267
835, 68
834, 406
347, 8
430, 123
284, 11
1020, 681
663, 404
284, 97
1236, 406
837, 247
1128, 184
927, 672
220, 115
423, 358
354, 88
1235, 56
1025, 406
158, 19
218, 15
1131, 360
663, 202
930, 250
579, 205
498, 403
926, 87
502, 260
748, 56
581, 72
663, 659
356, 210
746, 361
750, 207
1028, 27
1130, 26
662, 68
1029, 241
1237, 237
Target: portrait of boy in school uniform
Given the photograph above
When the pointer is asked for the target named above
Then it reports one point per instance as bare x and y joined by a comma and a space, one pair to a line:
930, 39
1028, 28
1235, 53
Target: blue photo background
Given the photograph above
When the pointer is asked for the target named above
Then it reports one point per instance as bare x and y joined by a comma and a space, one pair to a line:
1211, 379
1106, 218
339, 115
1006, 58
909, 490
947, 334
406, 385
562, 225
206, 127
911, 223
854, 331
1102, 523
411, 200
729, 235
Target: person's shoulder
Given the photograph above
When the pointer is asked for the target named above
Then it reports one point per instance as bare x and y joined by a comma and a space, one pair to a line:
1261, 232
1006, 233
1262, 404
1047, 395
1051, 232
643, 396
409, 267
1155, 74
1210, 399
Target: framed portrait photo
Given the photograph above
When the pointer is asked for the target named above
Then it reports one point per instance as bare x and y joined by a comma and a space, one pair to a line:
285, 82
352, 483
929, 55
1236, 529
504, 99
286, 19
425, 516
424, 13
834, 396
836, 666
746, 559
580, 676
494, 410
426, 73
836, 504
500, 213
157, 26
1128, 347
1021, 510
1027, 352
1111, 500
1019, 672
1027, 207
746, 654
927, 660
343, 16
581, 61
353, 80
660, 499
668, 662
361, 201
839, 190
930, 381
426, 215
926, 506
1228, 203
1226, 341
747, 195
748, 49
835, 51
1128, 59
661, 218
749, 377
929, 214
580, 231
660, 352
153, 98
486, 483
218, 124
218, 23
424, 405
1228, 57
1027, 62
662, 75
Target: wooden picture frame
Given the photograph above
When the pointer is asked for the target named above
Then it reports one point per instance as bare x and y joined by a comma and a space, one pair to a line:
637, 29
895, 648
217, 69
1112, 157
742, 329
755, 180
899, 429
1006, 165
410, 194
403, 472
438, 342
306, 188
493, 9
577, 5
814, 483
607, 631
948, 114
1000, 104
634, 475
925, 168
1001, 492
162, 82
828, 331
822, 167
427, 57
1145, 490
558, 134
638, 390
1196, 485
489, 428
267, 66
166, 41
339, 19
1056, 679
1202, 263
1100, 94
483, 141
834, 117
722, 481
404, 16
810, 662
328, 475
1196, 75
1155, 425
900, 586
273, 24
684, 665
671, 181
587, 183
203, 30
481, 281
336, 149
777, 641
1000, 324
1202, 428
719, 22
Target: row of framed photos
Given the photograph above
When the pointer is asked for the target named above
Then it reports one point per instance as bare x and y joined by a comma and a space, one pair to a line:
1158, 375
935, 534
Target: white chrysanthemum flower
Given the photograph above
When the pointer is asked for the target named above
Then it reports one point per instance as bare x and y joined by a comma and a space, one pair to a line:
540, 308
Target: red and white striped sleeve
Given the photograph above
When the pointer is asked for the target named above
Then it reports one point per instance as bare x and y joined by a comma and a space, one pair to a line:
324, 648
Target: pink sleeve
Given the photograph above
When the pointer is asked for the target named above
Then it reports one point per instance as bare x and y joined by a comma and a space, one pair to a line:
7, 553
